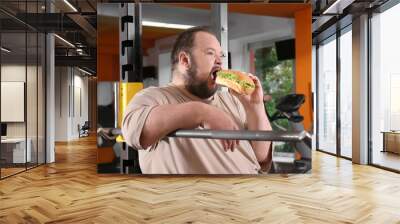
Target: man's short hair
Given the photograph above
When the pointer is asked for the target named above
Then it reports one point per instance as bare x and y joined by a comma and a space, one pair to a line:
185, 42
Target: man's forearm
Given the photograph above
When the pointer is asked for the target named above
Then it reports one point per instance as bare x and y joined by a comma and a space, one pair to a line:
165, 119
257, 120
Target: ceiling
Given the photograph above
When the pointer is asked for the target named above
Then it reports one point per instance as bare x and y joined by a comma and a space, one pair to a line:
80, 27
284, 9
77, 27
326, 21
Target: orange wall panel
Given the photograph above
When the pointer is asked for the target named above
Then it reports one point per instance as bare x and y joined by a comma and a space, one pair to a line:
108, 49
303, 32
105, 155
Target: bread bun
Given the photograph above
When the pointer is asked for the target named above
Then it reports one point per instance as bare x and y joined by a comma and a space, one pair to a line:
238, 81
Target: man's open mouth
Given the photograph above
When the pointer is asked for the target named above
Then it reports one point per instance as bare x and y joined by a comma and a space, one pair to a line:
214, 72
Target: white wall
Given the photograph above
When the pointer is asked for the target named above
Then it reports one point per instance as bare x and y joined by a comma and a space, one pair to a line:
253, 26
159, 56
15, 72
80, 83
70, 84
167, 14
61, 103
164, 68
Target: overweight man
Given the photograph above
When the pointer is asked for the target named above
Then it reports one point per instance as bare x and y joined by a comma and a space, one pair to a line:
192, 101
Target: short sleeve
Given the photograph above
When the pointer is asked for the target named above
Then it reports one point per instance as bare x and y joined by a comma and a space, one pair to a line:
136, 115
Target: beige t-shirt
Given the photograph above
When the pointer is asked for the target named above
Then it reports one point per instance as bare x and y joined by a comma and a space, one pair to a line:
187, 155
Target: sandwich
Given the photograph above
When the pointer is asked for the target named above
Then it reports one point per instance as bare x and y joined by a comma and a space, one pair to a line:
236, 80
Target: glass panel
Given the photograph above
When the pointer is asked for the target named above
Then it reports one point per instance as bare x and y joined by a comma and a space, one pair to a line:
327, 96
22, 79
385, 84
13, 86
314, 90
346, 94
31, 97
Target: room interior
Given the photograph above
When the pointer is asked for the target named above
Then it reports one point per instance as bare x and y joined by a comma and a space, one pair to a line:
57, 59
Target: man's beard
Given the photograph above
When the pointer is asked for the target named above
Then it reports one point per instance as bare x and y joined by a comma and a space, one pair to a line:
197, 87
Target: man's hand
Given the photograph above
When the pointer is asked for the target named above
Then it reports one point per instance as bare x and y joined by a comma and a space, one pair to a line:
257, 120
217, 119
255, 100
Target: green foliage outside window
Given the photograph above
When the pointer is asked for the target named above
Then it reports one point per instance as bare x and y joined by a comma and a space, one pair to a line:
276, 78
